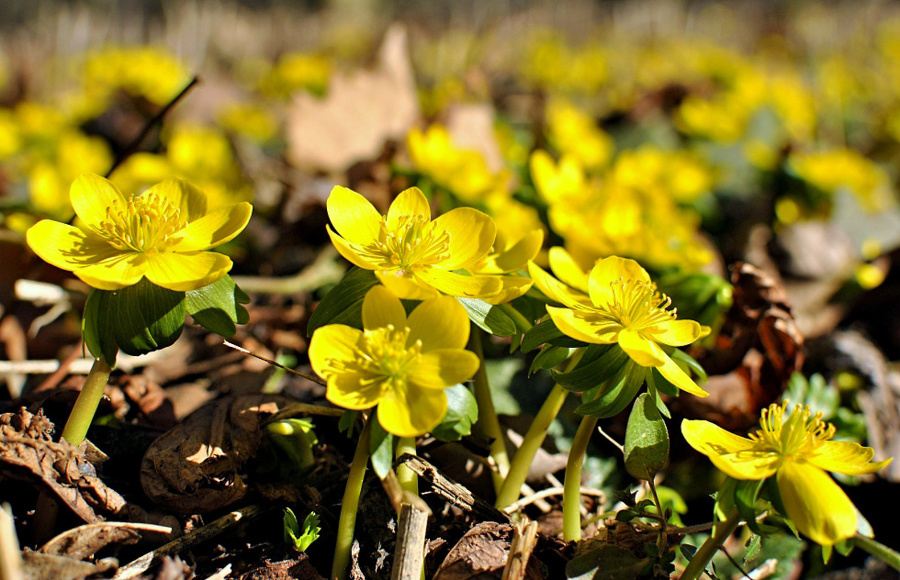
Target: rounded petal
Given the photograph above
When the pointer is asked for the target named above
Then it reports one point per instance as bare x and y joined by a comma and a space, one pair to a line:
459, 284
580, 327
517, 257
643, 351
409, 203
119, 271
412, 412
380, 308
330, 343
351, 390
66, 246
675, 332
91, 195
607, 271
438, 369
405, 287
441, 322
815, 503
731, 454
348, 251
564, 267
186, 197
846, 457
186, 271
353, 216
554, 289
675, 375
214, 229
513, 287
471, 235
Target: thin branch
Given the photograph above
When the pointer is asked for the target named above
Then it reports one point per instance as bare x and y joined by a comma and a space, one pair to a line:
312, 378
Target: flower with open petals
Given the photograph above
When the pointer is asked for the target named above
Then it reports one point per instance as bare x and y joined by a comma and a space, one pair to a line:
161, 234
414, 256
797, 449
622, 306
400, 364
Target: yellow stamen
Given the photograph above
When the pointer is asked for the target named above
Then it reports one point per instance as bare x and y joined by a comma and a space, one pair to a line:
413, 243
147, 223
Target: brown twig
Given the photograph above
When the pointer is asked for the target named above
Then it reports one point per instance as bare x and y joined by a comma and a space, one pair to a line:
409, 555
523, 542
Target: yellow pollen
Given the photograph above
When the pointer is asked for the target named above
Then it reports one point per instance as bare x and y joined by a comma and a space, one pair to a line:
412, 243
147, 223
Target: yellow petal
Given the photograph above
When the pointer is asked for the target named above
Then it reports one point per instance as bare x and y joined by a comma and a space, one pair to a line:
607, 271
353, 216
412, 412
731, 454
641, 350
351, 390
113, 273
846, 457
91, 195
406, 287
581, 327
186, 271
332, 343
674, 332
513, 287
66, 246
441, 322
409, 203
214, 229
517, 257
381, 308
678, 377
564, 267
186, 197
348, 251
442, 368
815, 503
554, 289
455, 284
471, 235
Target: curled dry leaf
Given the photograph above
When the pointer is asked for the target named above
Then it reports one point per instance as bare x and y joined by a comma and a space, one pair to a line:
84, 541
27, 451
482, 553
194, 467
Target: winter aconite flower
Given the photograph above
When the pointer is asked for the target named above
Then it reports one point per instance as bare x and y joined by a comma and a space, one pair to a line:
400, 364
796, 448
161, 234
414, 256
622, 306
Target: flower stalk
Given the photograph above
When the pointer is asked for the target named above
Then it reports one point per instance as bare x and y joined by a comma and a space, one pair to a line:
572, 485
350, 506
87, 402
487, 416
708, 549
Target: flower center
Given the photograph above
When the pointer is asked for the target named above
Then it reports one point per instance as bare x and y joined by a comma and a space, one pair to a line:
796, 437
412, 243
383, 356
637, 304
147, 223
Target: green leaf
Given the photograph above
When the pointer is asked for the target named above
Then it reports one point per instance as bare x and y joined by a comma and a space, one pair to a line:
607, 563
546, 332
217, 306
599, 364
488, 317
297, 537
646, 439
549, 357
95, 327
462, 412
343, 305
146, 317
745, 495
381, 449
616, 393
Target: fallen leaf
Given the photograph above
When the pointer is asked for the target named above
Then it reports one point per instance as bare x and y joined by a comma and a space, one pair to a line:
482, 553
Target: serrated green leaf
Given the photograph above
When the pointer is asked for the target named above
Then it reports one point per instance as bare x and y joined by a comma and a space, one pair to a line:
343, 305
462, 412
606, 562
381, 449
753, 545
548, 358
217, 306
488, 317
646, 439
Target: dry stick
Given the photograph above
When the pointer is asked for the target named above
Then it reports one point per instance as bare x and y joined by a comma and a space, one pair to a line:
148, 126
207, 532
523, 542
277, 364
409, 555
321, 271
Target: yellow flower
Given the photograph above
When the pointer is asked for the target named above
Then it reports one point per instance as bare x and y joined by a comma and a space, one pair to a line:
622, 306
414, 256
509, 256
796, 449
161, 234
400, 364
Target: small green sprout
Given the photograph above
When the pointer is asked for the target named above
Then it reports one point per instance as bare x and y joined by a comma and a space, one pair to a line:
301, 539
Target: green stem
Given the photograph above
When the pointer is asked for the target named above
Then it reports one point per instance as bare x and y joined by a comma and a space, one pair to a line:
87, 402
487, 416
572, 486
350, 505
406, 476
879, 550
705, 553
